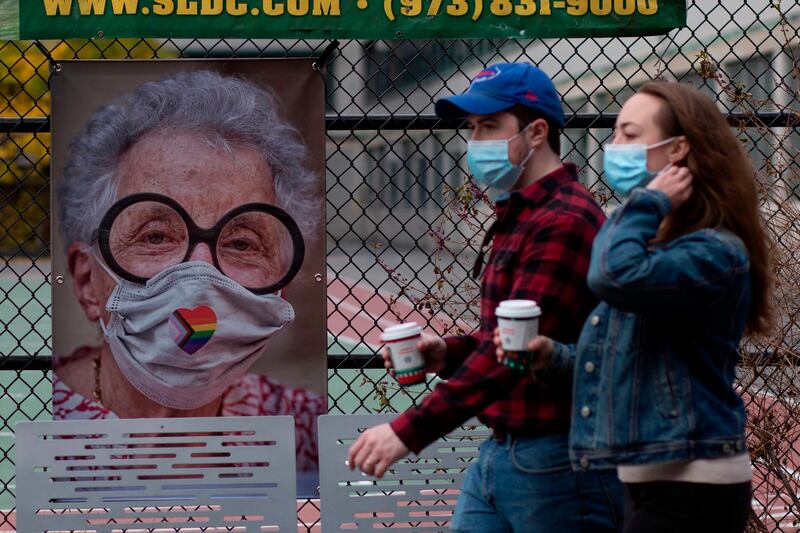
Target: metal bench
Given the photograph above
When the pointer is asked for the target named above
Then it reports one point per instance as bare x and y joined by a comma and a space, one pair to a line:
176, 474
416, 494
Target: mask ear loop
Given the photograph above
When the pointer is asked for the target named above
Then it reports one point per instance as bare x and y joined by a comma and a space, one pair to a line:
669, 166
103, 327
662, 143
94, 252
530, 153
530, 150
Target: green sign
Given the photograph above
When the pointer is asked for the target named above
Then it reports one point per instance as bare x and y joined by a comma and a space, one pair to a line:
9, 20
364, 19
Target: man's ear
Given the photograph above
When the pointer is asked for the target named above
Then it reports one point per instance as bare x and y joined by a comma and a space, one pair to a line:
537, 133
80, 261
680, 150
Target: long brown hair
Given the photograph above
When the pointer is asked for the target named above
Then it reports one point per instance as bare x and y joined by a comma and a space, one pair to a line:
724, 191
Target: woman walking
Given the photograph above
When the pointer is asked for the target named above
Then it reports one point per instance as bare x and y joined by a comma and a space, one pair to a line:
682, 272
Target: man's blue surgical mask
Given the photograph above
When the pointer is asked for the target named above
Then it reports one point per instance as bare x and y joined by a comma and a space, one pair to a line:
625, 165
488, 161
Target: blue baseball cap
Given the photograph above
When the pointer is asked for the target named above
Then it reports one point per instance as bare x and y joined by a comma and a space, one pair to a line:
502, 86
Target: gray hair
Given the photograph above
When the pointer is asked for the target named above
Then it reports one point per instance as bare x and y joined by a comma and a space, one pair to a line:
223, 111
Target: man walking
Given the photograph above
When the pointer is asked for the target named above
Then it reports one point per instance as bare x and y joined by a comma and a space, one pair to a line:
540, 249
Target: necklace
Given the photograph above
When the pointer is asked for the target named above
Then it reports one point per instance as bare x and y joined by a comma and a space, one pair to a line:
98, 394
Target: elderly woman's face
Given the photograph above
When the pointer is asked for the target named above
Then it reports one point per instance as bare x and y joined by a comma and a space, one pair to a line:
208, 182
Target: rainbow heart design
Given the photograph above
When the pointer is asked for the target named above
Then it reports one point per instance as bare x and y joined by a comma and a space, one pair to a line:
193, 327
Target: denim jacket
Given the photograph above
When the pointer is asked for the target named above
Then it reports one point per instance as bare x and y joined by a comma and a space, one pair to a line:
654, 365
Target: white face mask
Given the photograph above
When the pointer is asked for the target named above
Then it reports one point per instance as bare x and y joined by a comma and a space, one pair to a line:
189, 332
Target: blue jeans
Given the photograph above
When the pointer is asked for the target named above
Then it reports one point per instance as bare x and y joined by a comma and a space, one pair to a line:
527, 485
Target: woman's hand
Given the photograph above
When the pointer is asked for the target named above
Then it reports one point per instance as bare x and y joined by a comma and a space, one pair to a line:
676, 183
541, 346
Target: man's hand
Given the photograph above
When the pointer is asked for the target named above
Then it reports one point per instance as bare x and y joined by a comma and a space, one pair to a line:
542, 346
433, 350
675, 182
375, 450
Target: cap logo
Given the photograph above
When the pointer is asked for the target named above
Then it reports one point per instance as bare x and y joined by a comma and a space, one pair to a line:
531, 96
486, 75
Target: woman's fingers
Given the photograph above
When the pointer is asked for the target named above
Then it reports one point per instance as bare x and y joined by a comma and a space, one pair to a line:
676, 183
538, 343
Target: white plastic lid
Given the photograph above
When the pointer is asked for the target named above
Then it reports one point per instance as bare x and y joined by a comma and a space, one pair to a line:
401, 331
518, 309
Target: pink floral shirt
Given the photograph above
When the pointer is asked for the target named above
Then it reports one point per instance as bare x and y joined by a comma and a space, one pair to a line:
250, 395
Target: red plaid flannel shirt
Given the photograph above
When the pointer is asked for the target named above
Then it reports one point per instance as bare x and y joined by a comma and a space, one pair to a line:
540, 254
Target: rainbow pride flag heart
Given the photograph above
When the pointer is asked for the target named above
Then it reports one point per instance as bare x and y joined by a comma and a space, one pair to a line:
193, 327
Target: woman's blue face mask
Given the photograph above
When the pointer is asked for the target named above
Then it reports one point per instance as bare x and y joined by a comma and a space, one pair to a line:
625, 165
489, 163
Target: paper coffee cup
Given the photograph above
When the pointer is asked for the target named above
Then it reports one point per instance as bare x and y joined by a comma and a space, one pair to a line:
409, 365
518, 321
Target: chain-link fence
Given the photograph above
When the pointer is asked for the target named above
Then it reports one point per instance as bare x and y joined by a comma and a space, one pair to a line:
402, 219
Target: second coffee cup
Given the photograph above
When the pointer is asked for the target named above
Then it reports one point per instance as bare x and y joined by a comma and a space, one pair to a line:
518, 321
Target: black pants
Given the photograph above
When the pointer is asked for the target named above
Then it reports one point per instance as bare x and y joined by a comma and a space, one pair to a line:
677, 507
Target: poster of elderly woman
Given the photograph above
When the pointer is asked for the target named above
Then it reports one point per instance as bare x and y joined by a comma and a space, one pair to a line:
188, 242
